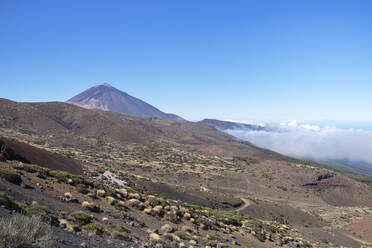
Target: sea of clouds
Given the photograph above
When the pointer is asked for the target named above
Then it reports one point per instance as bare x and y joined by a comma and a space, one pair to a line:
311, 141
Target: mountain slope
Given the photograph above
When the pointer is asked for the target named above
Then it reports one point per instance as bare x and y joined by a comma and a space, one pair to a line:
193, 162
14, 150
224, 125
105, 97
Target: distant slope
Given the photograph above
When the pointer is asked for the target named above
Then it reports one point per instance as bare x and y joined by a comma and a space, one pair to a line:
62, 120
14, 150
349, 166
342, 165
105, 97
225, 125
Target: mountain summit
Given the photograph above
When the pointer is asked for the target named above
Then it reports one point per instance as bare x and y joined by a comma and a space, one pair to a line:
106, 97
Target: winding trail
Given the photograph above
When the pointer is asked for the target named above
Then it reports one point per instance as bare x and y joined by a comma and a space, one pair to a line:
246, 204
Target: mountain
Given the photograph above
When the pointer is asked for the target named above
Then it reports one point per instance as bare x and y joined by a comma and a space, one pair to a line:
225, 125
175, 161
107, 98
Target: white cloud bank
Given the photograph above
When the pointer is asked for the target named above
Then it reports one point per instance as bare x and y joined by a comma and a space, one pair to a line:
311, 141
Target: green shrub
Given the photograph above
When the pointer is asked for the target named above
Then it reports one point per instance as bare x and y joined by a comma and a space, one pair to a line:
59, 175
82, 218
182, 235
44, 212
10, 176
31, 168
120, 235
119, 232
119, 228
81, 188
11, 204
33, 209
21, 231
94, 228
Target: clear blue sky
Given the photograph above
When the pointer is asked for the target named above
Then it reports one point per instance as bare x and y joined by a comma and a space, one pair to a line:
247, 60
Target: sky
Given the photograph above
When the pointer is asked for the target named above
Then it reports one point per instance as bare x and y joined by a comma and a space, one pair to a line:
245, 60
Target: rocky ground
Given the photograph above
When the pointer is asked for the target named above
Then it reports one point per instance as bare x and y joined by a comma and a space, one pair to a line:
95, 213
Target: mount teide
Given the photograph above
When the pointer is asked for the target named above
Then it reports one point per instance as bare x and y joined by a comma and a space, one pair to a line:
105, 97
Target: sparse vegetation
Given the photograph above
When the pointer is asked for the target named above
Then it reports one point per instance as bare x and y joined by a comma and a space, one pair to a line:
21, 231
10, 177
11, 204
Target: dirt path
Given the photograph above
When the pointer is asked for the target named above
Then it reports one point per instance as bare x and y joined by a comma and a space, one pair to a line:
244, 206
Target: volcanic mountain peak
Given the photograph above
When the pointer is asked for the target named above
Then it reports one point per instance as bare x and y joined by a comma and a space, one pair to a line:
107, 85
108, 98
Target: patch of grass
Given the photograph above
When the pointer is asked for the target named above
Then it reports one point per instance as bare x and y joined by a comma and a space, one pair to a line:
94, 228
31, 210
10, 176
44, 212
158, 201
229, 217
120, 235
182, 235
31, 168
81, 188
82, 218
119, 231
61, 176
11, 204
120, 228
21, 231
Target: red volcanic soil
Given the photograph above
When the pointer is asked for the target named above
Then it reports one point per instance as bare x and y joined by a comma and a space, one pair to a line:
14, 150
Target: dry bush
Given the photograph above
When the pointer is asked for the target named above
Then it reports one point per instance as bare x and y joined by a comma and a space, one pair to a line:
21, 231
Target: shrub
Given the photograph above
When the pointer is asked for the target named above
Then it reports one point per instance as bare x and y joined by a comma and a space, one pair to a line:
34, 209
31, 168
119, 228
59, 175
10, 176
120, 235
21, 231
81, 188
44, 212
82, 218
182, 235
94, 228
11, 204
119, 232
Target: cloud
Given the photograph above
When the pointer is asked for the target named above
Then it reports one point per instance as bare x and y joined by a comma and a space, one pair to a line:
312, 141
